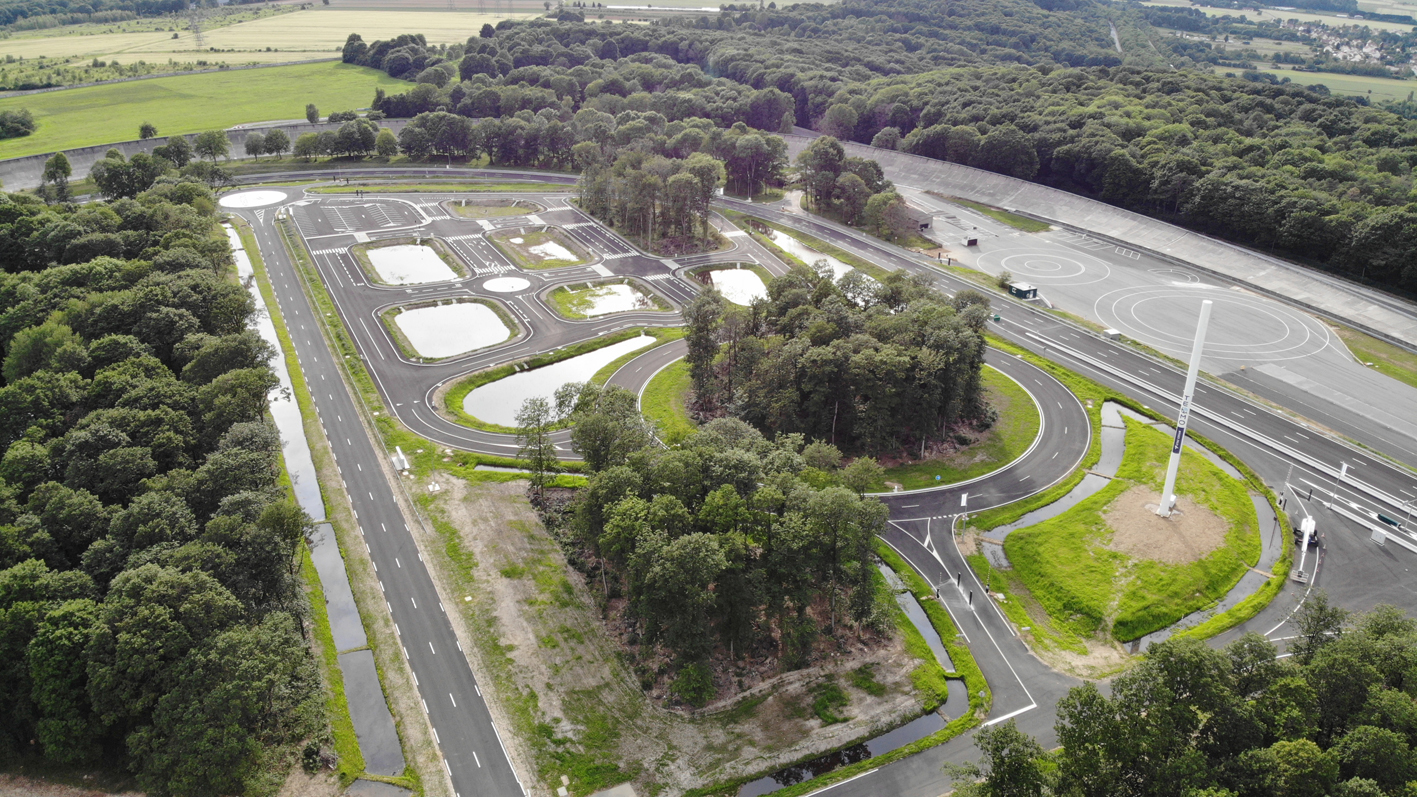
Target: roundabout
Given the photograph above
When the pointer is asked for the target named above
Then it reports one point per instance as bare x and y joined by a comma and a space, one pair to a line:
253, 199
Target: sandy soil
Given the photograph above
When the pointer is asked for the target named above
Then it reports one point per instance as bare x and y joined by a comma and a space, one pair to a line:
550, 626
1189, 535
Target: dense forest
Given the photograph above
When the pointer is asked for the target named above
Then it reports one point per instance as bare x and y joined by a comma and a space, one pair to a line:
725, 548
1036, 90
150, 613
868, 367
1337, 717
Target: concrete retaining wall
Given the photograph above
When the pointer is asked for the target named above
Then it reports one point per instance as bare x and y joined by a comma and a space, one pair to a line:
1376, 312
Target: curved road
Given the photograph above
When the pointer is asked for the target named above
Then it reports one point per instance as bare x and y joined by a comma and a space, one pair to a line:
1279, 448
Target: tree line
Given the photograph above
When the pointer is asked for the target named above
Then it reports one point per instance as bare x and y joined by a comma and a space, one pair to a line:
866, 366
1021, 88
728, 546
662, 201
1338, 717
151, 616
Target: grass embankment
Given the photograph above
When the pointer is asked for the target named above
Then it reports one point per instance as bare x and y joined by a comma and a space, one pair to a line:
390, 317
517, 246
665, 403
998, 214
911, 241
811, 241
361, 254
395, 676
189, 104
1400, 364
491, 208
576, 302
980, 696
1086, 587
433, 187
1007, 440
1022, 608
453, 398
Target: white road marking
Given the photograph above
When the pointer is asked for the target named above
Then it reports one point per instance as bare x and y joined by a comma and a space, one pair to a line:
430, 647
478, 760
454, 699
415, 603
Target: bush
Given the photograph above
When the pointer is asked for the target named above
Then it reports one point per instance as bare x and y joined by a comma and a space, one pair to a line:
1004, 280
14, 124
694, 685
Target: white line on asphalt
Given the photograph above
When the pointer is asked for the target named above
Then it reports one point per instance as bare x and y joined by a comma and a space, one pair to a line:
436, 740
454, 699
430, 647
415, 603
396, 625
848, 780
478, 760
397, 562
415, 677
425, 705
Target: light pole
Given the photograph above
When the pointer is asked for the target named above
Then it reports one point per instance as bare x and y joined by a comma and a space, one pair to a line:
1168, 492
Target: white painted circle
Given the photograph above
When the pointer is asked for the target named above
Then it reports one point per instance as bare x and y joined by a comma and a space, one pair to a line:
506, 284
252, 199
1048, 268
1243, 328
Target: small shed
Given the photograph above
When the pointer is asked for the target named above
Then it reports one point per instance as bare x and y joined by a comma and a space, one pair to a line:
919, 218
1023, 290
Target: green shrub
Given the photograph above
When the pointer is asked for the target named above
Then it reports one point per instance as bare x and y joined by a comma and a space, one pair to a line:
693, 684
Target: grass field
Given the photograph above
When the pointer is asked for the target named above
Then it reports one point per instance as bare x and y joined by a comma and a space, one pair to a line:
1400, 364
663, 403
1378, 88
1015, 431
998, 214
189, 103
1086, 588
1302, 16
315, 33
517, 246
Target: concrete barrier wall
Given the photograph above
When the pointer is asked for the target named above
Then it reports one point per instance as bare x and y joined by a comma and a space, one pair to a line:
26, 172
1381, 314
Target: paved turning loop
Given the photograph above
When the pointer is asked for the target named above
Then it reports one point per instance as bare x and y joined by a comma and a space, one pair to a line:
1047, 268
1245, 328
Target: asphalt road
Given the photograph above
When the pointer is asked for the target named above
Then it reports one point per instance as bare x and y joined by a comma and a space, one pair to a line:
1278, 448
472, 749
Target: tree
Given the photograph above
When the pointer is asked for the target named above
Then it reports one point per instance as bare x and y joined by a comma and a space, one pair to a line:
677, 596
212, 144
1318, 623
888, 138
535, 420
852, 196
56, 173
312, 114
386, 143
307, 146
487, 31
818, 166
277, 142
1012, 765
146, 131
177, 150
608, 426
861, 474
701, 320
255, 145
67, 730
1007, 150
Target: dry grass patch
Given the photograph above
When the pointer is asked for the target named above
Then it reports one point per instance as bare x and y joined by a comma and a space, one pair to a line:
563, 684
1190, 534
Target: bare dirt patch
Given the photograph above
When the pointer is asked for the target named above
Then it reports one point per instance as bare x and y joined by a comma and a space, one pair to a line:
549, 623
21, 786
1189, 535
491, 208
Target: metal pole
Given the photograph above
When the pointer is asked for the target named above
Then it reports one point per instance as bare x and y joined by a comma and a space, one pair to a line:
1168, 493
